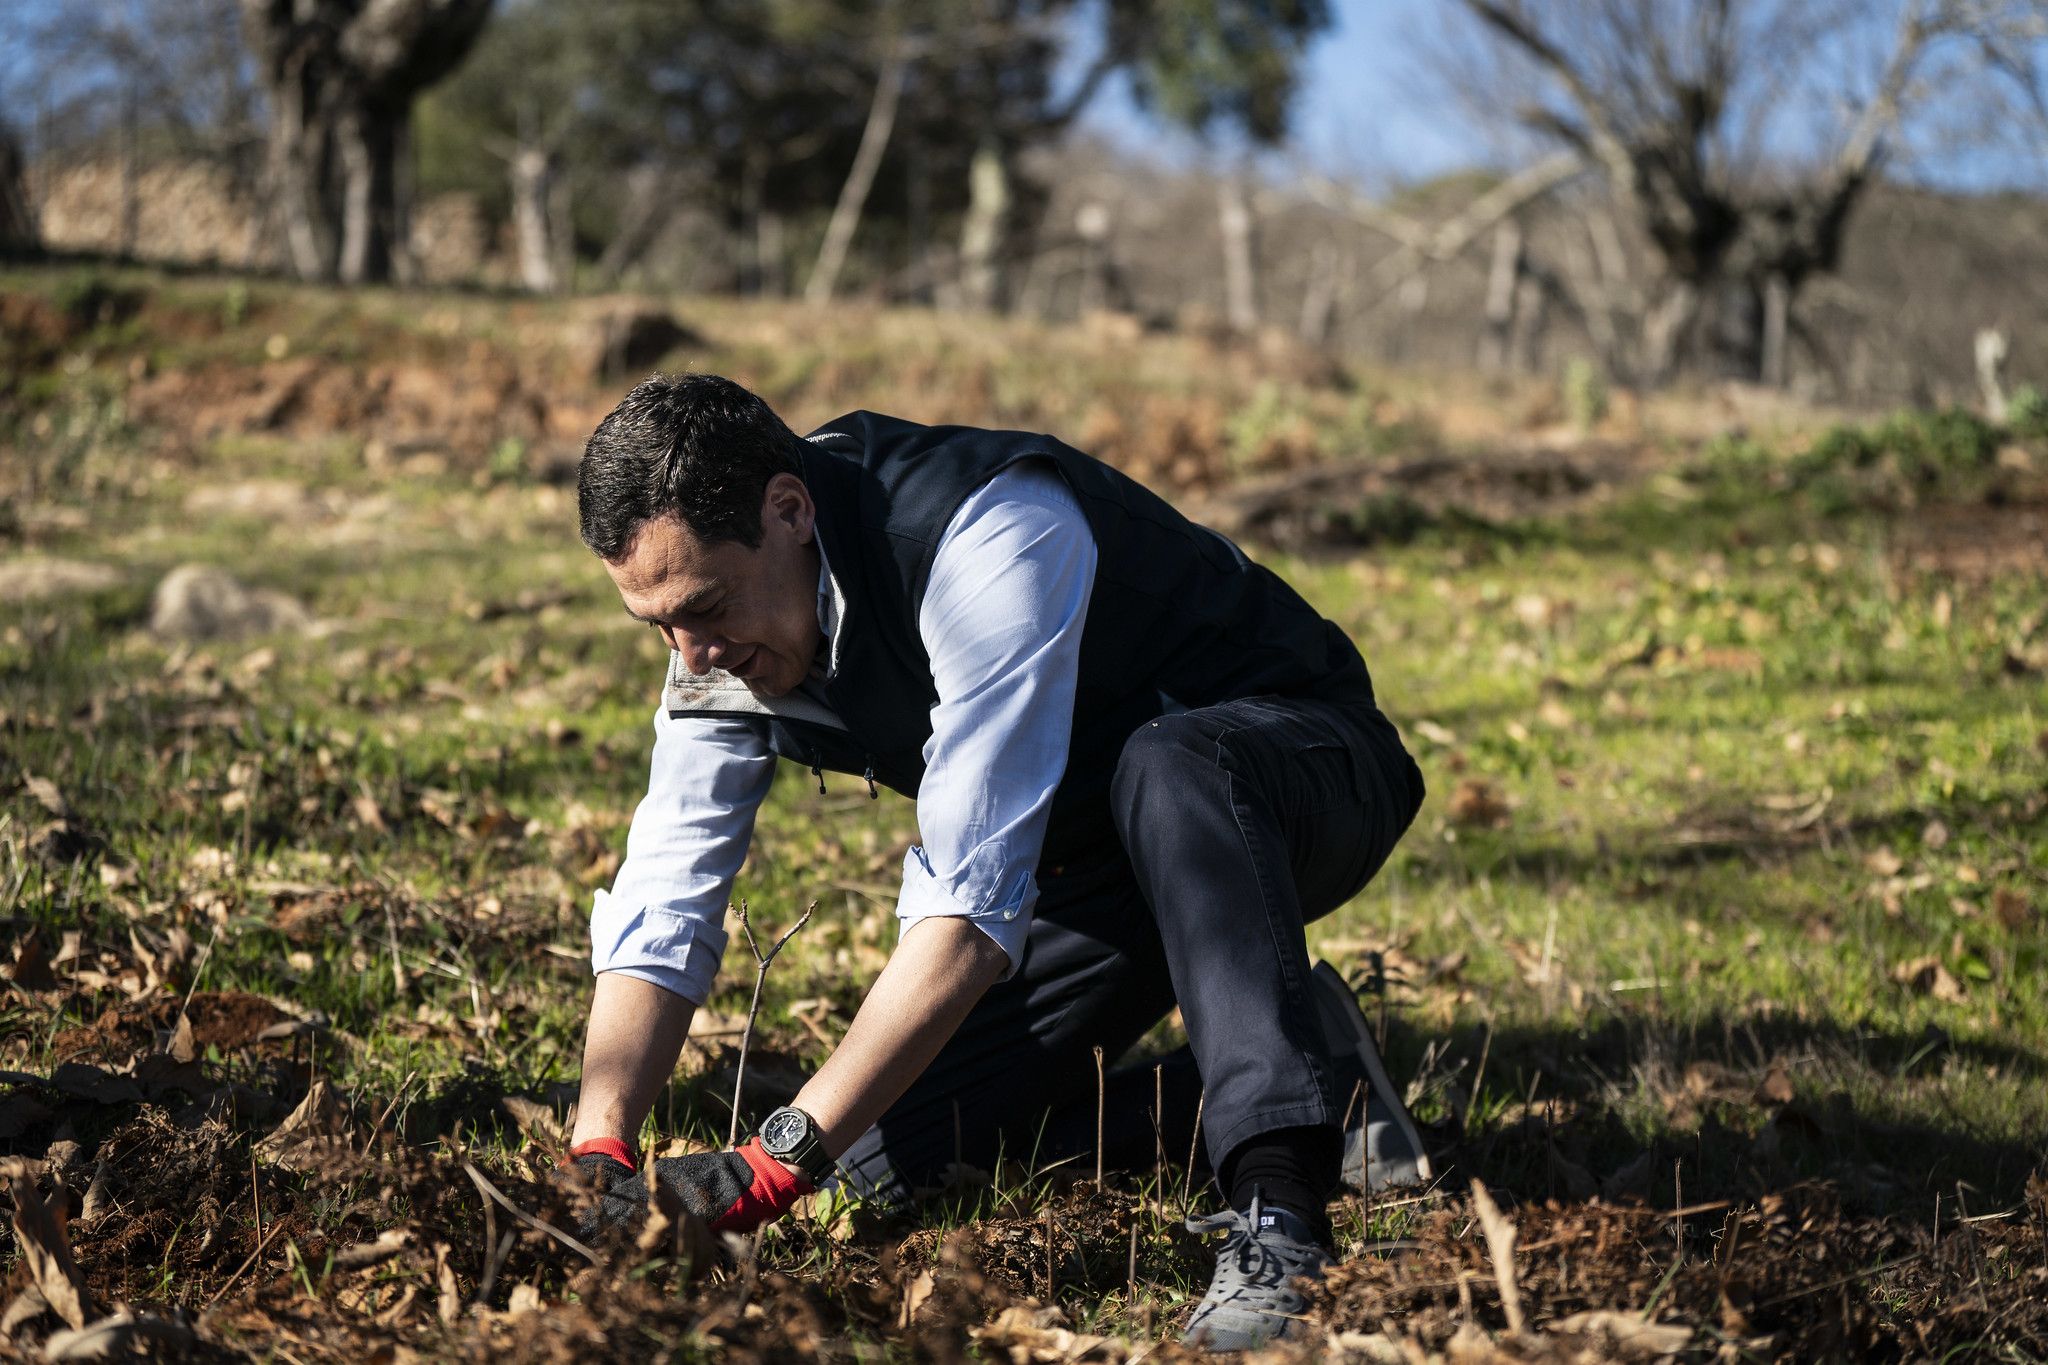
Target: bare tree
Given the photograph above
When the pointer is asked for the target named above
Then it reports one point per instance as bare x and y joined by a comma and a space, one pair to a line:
17, 223
1677, 104
342, 76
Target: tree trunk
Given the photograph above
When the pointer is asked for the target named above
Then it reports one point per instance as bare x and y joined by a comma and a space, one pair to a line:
372, 233
1777, 308
1319, 295
853, 195
131, 174
532, 170
17, 219
1531, 306
300, 146
982, 231
1667, 330
1502, 277
1989, 350
640, 222
1240, 283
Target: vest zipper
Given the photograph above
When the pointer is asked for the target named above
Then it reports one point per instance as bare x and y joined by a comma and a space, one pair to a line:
869, 778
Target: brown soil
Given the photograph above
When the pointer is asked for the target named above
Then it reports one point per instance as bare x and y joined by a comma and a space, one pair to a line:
1974, 542
226, 1020
251, 1251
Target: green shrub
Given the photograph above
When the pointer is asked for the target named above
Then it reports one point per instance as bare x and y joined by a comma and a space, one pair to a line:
2026, 416
1253, 428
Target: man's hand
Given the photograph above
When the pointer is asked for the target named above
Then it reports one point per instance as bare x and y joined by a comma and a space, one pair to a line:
733, 1191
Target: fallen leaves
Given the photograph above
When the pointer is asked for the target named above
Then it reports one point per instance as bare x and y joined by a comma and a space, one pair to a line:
1930, 977
39, 1235
313, 1135
1478, 803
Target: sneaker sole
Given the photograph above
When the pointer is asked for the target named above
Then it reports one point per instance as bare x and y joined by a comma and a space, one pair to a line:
1339, 1008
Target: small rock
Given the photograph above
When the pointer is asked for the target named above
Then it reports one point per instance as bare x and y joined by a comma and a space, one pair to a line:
33, 580
628, 340
205, 602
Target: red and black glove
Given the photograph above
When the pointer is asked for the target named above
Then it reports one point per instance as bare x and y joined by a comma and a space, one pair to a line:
734, 1191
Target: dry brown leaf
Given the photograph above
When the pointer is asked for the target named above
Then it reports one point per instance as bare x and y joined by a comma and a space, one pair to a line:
180, 1047
39, 1239
364, 1255
1034, 1336
449, 1306
1634, 1332
1478, 802
537, 1121
119, 1337
25, 1307
1500, 1246
47, 795
31, 967
1776, 1086
1927, 976
915, 1295
309, 1134
366, 812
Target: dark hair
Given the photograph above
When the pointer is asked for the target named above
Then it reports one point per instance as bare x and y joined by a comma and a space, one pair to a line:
695, 445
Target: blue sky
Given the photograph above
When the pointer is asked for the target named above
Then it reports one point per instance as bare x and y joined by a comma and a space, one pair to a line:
1369, 109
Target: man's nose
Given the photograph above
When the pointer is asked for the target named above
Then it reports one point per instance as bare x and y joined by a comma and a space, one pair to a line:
701, 653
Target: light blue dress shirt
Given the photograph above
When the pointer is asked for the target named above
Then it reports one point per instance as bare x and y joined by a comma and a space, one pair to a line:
1002, 619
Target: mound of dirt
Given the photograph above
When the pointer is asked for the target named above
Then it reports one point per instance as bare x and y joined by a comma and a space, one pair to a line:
465, 407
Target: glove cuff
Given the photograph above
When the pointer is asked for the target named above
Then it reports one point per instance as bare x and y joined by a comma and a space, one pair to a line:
774, 1183
613, 1147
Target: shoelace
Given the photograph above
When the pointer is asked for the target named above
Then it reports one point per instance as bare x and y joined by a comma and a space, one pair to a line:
1267, 1271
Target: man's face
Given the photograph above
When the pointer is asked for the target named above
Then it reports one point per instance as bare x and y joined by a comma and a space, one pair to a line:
753, 613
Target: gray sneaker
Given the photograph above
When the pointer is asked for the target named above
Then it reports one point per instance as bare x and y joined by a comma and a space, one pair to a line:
1382, 1149
1252, 1298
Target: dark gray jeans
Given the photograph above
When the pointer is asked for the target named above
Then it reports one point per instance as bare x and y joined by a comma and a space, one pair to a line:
1238, 823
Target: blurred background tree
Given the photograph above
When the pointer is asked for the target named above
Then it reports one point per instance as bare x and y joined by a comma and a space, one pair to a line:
1680, 105
1668, 187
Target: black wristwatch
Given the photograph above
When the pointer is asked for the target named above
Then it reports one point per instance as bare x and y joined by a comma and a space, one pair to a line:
790, 1135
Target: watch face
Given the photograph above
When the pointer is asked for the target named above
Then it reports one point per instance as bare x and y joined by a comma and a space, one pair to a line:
783, 1130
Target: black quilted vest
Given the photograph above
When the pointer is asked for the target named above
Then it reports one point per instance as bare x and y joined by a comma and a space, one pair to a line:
1179, 617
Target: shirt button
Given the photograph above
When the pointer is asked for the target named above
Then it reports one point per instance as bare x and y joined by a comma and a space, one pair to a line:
1010, 913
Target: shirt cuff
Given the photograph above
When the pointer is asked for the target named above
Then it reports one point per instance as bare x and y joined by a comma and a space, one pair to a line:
1005, 917
677, 952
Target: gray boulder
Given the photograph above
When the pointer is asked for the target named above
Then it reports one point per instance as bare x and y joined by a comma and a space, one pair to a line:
206, 602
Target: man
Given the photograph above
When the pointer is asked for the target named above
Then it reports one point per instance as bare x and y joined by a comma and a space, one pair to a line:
1141, 764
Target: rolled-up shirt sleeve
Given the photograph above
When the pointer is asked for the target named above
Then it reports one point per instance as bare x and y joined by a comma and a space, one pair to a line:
1002, 619
663, 921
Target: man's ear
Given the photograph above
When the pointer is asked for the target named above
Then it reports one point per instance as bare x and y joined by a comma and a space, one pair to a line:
787, 502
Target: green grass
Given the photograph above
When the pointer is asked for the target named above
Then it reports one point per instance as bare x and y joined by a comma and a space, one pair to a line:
1736, 771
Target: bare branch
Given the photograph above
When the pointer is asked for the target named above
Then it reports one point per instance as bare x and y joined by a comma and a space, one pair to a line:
761, 964
1604, 138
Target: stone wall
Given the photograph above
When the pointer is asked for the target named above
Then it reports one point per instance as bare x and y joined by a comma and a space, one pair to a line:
193, 213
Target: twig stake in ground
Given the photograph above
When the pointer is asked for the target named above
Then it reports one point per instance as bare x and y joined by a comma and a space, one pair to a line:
1500, 1245
1050, 1284
1131, 1273
1099, 1098
761, 962
1159, 1128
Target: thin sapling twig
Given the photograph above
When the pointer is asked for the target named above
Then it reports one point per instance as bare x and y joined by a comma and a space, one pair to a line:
761, 963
